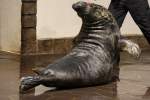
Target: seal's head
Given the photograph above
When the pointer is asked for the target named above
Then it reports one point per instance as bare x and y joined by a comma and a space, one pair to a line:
90, 12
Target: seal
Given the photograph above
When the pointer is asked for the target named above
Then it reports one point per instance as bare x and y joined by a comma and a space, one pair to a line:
94, 59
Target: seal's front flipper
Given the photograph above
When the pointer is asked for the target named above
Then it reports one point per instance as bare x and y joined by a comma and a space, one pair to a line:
130, 47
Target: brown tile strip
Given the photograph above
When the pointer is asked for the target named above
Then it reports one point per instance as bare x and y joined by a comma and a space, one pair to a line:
54, 46
28, 34
45, 46
29, 8
63, 45
28, 21
29, 0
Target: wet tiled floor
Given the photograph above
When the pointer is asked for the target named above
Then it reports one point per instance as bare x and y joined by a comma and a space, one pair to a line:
134, 80
9, 77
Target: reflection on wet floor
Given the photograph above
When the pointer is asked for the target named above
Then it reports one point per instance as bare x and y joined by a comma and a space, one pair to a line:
106, 92
134, 80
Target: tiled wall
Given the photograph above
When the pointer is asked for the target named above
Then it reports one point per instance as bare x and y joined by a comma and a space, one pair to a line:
31, 46
54, 46
28, 36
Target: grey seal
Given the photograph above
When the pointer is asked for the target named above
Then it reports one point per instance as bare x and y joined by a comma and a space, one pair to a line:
94, 59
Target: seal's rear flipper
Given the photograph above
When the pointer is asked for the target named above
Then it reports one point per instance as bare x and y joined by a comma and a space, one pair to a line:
29, 82
130, 47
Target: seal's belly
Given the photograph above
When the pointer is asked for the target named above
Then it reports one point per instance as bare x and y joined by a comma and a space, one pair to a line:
82, 66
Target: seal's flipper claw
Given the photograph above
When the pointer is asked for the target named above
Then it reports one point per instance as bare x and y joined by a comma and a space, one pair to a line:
38, 70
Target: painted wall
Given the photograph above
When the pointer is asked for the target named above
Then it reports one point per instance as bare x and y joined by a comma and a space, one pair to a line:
56, 19
10, 25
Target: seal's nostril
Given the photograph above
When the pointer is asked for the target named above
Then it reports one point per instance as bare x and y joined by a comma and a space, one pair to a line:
74, 6
79, 5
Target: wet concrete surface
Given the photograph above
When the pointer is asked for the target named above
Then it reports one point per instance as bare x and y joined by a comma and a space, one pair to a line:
9, 76
134, 81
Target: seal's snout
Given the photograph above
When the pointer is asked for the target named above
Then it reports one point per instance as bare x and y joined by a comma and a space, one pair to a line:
79, 5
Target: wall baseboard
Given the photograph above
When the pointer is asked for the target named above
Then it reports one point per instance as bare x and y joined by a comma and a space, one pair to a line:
11, 52
63, 45
9, 55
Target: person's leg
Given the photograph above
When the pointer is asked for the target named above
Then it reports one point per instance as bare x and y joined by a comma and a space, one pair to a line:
118, 10
140, 11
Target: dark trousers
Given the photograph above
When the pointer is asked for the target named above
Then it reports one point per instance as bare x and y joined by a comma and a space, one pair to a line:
139, 10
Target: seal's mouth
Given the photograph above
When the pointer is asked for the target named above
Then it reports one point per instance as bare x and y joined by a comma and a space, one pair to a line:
81, 7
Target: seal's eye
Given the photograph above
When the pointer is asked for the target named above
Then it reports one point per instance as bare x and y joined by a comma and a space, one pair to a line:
97, 14
96, 10
96, 7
